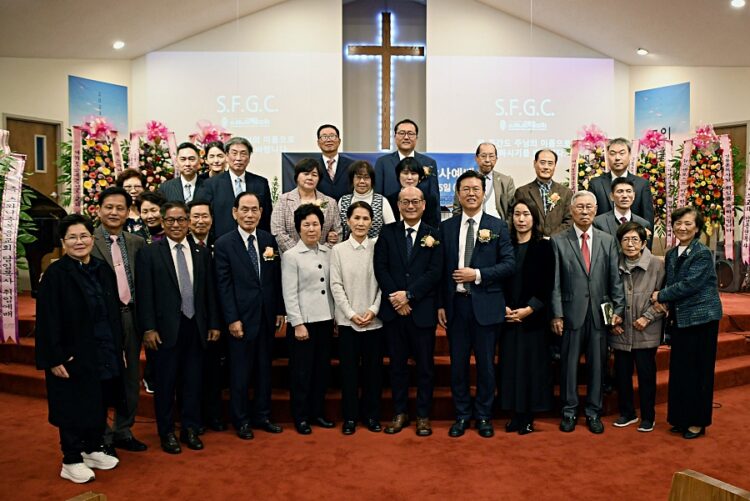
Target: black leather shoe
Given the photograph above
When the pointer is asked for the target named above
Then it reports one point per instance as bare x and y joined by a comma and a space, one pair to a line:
189, 436
512, 426
458, 428
676, 429
268, 426
526, 429
374, 426
303, 428
109, 450
595, 425
200, 430
245, 433
349, 427
689, 435
169, 444
217, 425
486, 430
131, 444
323, 422
567, 424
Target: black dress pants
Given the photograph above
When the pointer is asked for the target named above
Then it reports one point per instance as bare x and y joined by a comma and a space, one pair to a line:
405, 338
645, 365
310, 366
360, 350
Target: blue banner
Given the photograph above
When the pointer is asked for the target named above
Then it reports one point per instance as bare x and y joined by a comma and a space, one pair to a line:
449, 167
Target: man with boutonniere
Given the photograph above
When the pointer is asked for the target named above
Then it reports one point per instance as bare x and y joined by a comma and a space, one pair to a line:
477, 258
552, 198
407, 265
248, 278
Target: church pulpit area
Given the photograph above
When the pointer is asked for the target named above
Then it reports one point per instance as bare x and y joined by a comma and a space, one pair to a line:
19, 375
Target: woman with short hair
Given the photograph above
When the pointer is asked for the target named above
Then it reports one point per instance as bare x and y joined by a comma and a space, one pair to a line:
362, 180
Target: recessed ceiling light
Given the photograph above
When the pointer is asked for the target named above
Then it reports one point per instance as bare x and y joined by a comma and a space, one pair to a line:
737, 4
118, 45
642, 52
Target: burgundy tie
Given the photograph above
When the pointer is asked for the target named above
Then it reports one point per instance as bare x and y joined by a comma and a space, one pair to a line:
623, 220
330, 167
585, 251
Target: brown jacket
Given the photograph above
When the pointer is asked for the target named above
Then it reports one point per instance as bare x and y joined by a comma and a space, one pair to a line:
640, 282
556, 220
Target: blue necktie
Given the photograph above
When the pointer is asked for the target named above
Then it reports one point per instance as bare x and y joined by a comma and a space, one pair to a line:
186, 286
253, 254
409, 242
237, 186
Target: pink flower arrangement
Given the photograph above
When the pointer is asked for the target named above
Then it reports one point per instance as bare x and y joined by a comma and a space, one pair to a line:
208, 133
96, 127
156, 131
705, 138
592, 137
653, 140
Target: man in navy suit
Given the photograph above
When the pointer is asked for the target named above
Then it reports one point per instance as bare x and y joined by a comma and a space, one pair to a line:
407, 265
248, 277
220, 191
183, 187
335, 179
618, 159
406, 134
177, 313
477, 258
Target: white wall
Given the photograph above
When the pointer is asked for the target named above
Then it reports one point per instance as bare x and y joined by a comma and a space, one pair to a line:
38, 88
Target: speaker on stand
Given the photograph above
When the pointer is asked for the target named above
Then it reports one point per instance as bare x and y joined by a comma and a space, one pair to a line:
733, 275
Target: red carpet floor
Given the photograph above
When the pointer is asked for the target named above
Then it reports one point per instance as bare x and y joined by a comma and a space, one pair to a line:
621, 464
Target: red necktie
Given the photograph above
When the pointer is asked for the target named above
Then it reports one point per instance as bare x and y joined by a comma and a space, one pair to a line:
623, 220
585, 251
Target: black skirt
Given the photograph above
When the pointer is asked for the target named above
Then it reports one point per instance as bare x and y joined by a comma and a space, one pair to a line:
525, 373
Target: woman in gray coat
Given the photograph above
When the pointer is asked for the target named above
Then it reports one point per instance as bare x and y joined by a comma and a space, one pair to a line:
638, 337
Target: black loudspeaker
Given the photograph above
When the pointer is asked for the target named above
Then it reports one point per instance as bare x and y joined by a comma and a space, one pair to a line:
732, 274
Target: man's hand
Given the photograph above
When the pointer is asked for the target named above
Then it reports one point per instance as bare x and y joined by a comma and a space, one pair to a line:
332, 237
442, 318
464, 275
236, 330
300, 333
641, 323
404, 310
557, 326
151, 340
214, 334
398, 299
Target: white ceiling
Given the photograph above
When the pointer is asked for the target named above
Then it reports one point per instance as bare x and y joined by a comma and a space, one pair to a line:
677, 32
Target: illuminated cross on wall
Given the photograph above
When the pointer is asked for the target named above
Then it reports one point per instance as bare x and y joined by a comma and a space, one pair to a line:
385, 51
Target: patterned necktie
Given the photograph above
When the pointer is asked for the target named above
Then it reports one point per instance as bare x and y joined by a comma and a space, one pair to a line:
469, 248
189, 193
488, 190
330, 162
409, 241
123, 288
585, 251
253, 254
237, 186
186, 286
544, 191
623, 220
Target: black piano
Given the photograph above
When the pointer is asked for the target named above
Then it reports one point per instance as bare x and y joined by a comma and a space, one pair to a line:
46, 214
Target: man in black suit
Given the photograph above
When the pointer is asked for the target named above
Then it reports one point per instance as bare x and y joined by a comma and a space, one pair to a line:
220, 191
183, 187
406, 134
622, 194
248, 278
618, 160
477, 258
119, 249
407, 265
335, 179
178, 314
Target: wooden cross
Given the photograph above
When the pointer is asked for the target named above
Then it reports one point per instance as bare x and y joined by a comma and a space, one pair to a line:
385, 51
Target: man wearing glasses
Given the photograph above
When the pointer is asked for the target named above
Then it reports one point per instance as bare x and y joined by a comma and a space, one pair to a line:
407, 265
178, 315
335, 179
499, 188
406, 135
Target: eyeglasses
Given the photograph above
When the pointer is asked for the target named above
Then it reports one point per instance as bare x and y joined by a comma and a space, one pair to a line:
406, 203
328, 137
403, 133
362, 177
631, 240
485, 156
173, 220
471, 189
71, 239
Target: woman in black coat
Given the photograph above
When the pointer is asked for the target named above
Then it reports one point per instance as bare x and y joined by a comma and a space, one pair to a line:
525, 376
79, 347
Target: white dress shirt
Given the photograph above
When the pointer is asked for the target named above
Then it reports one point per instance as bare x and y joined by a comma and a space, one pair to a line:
234, 178
489, 205
401, 156
463, 229
188, 257
413, 235
185, 195
334, 166
245, 235
590, 233
627, 215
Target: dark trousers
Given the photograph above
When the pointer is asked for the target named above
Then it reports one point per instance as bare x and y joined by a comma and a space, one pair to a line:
182, 362
75, 440
310, 366
131, 380
465, 335
214, 378
360, 350
594, 342
403, 338
692, 361
645, 365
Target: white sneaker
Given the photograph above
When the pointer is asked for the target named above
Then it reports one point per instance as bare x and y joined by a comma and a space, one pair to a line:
78, 473
99, 460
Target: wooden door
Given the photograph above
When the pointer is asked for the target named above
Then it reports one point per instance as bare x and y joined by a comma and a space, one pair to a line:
738, 136
38, 141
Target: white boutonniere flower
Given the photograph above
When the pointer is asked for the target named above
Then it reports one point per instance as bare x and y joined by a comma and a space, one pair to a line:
320, 203
269, 254
427, 170
484, 236
552, 199
429, 241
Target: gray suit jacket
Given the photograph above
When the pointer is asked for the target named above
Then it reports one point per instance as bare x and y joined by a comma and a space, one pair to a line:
133, 244
503, 190
575, 290
172, 189
608, 223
